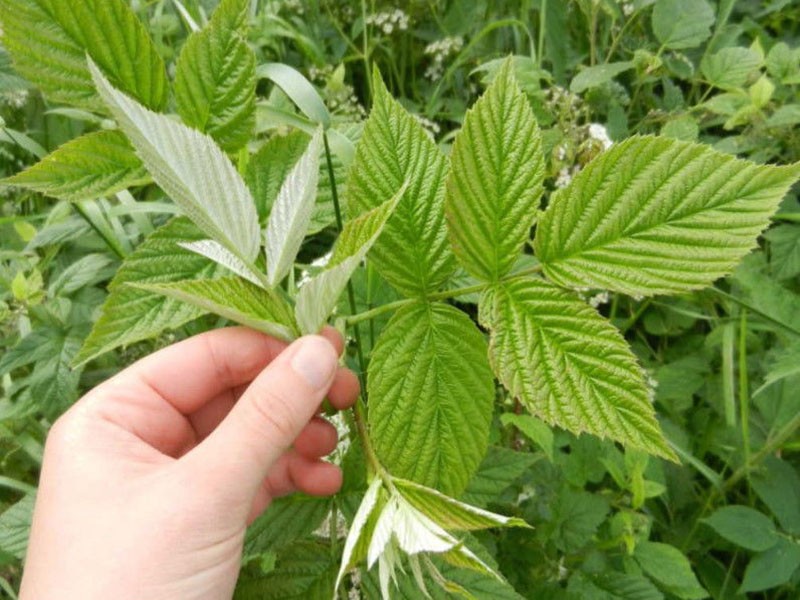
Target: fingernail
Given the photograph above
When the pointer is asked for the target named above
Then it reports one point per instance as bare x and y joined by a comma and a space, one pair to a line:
315, 361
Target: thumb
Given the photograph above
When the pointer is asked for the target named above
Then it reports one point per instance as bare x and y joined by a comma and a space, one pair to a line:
268, 417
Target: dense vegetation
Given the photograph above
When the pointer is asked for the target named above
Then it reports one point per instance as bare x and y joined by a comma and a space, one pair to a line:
703, 501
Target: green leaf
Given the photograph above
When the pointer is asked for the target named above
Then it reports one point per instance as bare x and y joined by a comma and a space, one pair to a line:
287, 520
49, 41
413, 254
592, 77
495, 180
306, 570
222, 256
656, 215
568, 365
93, 165
744, 527
784, 246
449, 512
576, 516
730, 68
431, 394
15, 526
768, 297
499, 469
771, 568
670, 568
299, 89
235, 299
612, 585
360, 533
291, 213
778, 485
191, 169
129, 314
787, 364
680, 24
318, 298
534, 429
215, 79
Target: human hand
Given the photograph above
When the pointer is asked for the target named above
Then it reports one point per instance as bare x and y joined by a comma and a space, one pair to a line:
149, 481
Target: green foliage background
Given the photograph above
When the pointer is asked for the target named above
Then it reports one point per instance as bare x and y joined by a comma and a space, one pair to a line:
725, 361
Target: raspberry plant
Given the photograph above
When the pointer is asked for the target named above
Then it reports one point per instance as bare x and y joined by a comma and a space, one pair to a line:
651, 216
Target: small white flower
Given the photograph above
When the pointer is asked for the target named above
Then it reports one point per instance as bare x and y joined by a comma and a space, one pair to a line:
599, 299
599, 133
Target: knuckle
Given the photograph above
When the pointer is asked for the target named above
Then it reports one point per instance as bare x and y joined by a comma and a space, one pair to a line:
273, 412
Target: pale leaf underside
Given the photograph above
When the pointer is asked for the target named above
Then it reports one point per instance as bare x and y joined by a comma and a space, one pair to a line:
568, 365
657, 216
495, 180
191, 169
431, 395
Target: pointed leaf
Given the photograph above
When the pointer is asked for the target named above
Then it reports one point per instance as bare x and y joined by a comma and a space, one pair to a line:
772, 568
431, 394
499, 469
49, 41
234, 299
568, 365
495, 180
299, 89
413, 254
130, 315
291, 213
358, 532
656, 216
215, 79
317, 298
744, 526
222, 256
191, 169
93, 165
449, 512
669, 567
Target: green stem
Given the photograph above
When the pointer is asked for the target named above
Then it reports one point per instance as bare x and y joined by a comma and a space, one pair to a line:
744, 391
542, 30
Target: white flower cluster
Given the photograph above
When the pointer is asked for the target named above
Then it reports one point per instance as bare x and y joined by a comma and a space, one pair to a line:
566, 175
559, 95
439, 51
431, 127
599, 133
390, 21
599, 299
627, 7
16, 99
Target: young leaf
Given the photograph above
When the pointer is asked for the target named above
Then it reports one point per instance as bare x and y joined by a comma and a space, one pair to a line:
49, 41
234, 299
291, 213
431, 393
222, 256
657, 216
744, 527
495, 179
568, 365
317, 298
130, 315
191, 169
359, 534
449, 512
93, 165
215, 79
413, 254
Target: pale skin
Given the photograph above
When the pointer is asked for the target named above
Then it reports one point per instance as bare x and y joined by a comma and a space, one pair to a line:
150, 480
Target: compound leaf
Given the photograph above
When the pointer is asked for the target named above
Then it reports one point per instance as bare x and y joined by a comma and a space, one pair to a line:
431, 394
495, 179
568, 365
234, 299
215, 78
291, 213
318, 297
191, 169
657, 215
49, 41
93, 165
413, 254
129, 314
